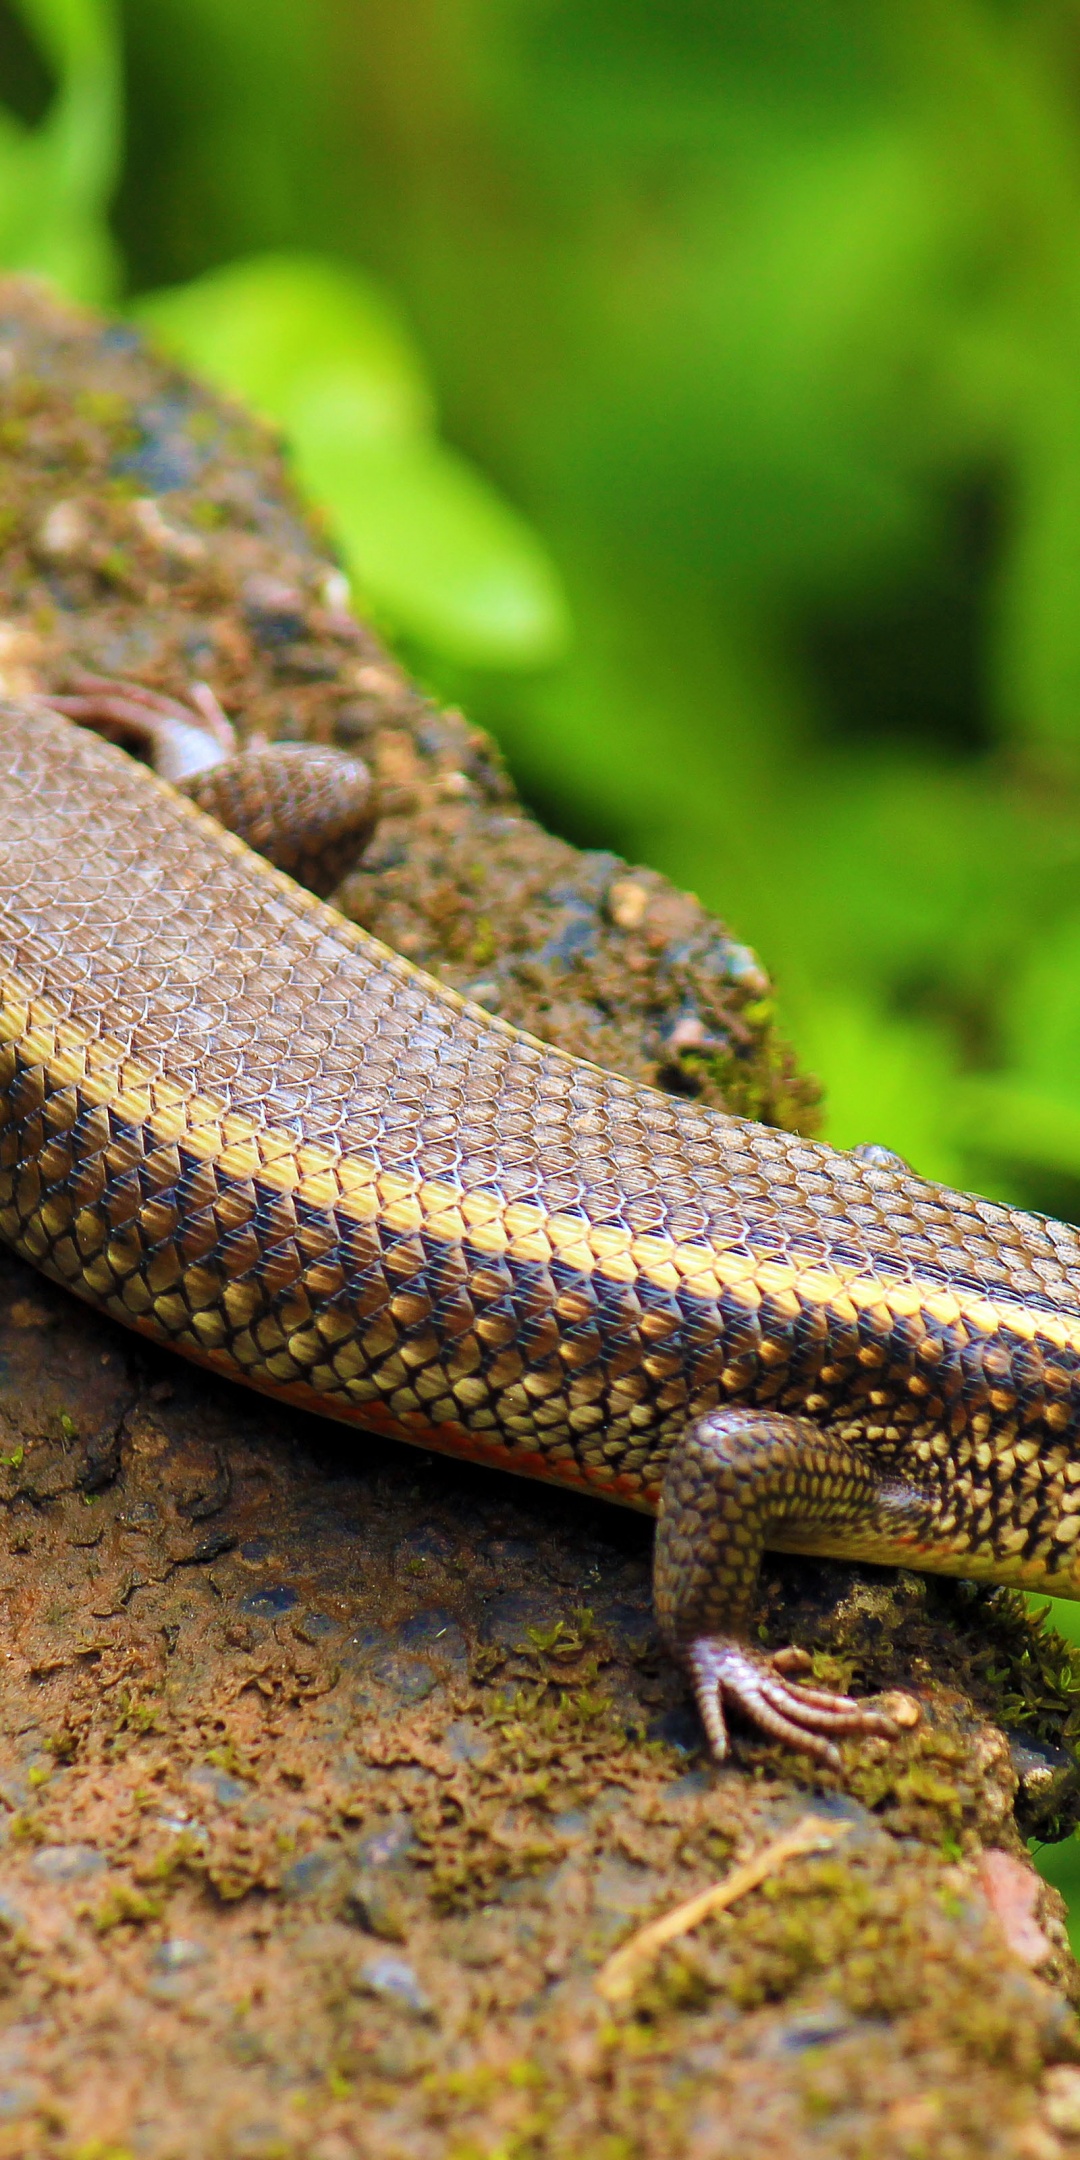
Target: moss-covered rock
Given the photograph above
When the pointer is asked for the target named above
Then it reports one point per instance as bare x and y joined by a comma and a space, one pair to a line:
332, 1773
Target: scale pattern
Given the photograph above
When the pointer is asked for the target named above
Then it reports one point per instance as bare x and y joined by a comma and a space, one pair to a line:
236, 1122
307, 809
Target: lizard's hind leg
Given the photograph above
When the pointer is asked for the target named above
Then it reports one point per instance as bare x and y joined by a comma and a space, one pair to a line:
735, 1479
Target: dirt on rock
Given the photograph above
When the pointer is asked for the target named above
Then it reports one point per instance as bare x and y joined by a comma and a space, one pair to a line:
332, 1773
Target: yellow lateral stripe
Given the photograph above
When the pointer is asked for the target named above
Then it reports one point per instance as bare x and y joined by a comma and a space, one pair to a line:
360, 1190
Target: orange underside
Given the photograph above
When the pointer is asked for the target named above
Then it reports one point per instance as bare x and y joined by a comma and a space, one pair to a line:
443, 1439
456, 1441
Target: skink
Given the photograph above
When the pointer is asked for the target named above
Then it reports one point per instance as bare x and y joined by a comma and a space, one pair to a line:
238, 1124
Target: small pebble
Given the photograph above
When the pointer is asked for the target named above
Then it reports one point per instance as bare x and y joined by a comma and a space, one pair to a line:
411, 1679
436, 1634
377, 681
311, 1873
903, 1709
336, 592
626, 903
387, 1846
1061, 2093
313, 1627
393, 1981
687, 1034
64, 531
139, 1516
67, 1863
1012, 1891
226, 1790
166, 538
812, 2029
178, 1954
571, 1823
274, 1598
373, 1903
403, 2056
743, 967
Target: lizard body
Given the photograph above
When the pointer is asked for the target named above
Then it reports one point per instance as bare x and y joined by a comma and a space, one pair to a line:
238, 1124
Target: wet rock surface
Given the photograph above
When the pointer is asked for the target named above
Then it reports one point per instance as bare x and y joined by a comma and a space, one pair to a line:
331, 1773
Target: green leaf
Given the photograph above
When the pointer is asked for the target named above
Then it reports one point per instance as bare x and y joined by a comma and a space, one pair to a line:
300, 339
320, 350
1040, 630
1041, 1012
1018, 1123
56, 179
436, 550
888, 1081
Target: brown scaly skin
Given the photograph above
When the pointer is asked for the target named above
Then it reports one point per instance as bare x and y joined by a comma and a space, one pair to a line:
237, 1123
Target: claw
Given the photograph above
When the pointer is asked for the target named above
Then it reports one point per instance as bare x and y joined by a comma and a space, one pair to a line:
728, 1674
178, 740
792, 1659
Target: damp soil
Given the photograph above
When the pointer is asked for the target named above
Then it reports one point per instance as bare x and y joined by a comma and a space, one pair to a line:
332, 1773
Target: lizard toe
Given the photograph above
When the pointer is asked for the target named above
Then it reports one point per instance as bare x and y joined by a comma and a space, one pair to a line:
729, 1675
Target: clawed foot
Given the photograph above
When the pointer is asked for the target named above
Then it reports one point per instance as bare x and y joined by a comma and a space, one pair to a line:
177, 740
729, 1675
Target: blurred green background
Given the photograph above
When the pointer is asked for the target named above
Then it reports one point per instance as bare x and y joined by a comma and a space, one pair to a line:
694, 389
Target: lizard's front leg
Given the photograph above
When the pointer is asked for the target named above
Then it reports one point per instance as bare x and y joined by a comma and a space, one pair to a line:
735, 1480
309, 809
